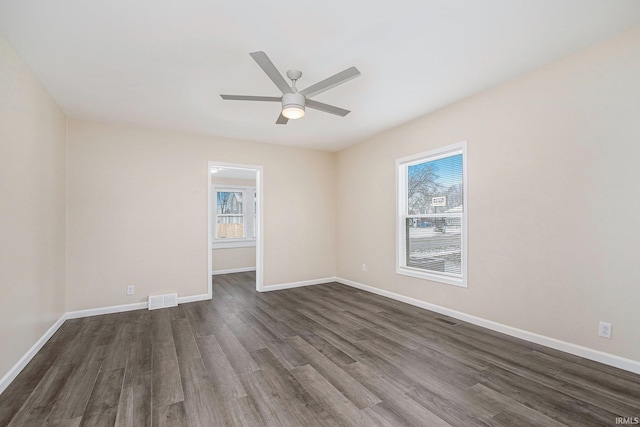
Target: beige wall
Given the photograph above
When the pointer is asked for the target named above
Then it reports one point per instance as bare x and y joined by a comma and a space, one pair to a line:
32, 212
233, 258
137, 211
553, 200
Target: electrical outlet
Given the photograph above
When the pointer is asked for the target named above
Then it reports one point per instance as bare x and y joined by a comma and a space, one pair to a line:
130, 290
364, 267
604, 330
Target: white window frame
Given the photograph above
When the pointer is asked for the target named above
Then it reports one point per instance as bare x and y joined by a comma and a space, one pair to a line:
248, 216
402, 166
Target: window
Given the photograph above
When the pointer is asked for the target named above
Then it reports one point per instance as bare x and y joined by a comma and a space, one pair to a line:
235, 216
432, 223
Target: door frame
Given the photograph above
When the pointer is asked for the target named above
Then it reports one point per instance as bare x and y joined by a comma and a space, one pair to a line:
259, 217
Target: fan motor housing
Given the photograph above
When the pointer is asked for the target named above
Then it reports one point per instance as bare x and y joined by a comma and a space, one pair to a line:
290, 100
293, 105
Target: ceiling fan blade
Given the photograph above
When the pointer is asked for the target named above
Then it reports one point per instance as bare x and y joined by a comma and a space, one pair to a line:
331, 82
267, 66
326, 108
282, 120
251, 98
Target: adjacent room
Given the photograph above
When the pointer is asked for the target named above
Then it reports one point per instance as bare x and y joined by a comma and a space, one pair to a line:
331, 214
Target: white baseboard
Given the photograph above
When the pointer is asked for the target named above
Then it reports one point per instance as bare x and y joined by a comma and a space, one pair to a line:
26, 358
128, 307
194, 298
297, 284
106, 310
577, 350
233, 270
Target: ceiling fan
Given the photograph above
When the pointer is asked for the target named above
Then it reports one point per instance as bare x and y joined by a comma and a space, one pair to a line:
294, 101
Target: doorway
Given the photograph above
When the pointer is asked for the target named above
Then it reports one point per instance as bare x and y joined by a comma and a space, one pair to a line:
235, 220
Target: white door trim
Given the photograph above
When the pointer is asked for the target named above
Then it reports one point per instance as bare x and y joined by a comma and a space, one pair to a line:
259, 228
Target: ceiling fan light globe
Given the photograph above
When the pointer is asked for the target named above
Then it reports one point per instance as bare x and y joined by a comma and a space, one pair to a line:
293, 112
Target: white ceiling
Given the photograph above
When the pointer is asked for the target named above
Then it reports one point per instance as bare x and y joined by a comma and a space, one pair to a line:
163, 63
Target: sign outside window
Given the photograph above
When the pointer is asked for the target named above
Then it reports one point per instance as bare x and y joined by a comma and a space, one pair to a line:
439, 201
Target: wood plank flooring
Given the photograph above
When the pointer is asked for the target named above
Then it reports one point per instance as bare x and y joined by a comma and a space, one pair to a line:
324, 355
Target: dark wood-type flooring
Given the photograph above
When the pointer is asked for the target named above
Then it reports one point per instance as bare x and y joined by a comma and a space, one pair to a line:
323, 355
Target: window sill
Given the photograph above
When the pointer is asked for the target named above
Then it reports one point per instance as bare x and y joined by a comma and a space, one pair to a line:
233, 243
456, 281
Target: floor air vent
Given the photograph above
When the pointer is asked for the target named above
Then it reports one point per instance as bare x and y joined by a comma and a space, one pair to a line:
162, 301
448, 322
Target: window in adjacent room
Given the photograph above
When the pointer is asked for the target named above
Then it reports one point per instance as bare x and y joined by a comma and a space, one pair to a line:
432, 226
235, 216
